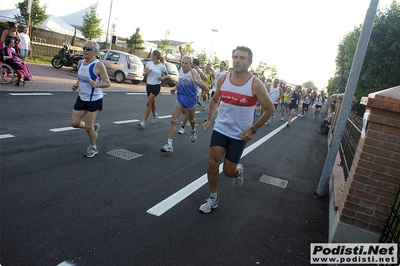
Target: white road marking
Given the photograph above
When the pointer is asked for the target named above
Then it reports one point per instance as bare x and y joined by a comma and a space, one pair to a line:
126, 121
162, 207
61, 129
136, 93
6, 136
31, 94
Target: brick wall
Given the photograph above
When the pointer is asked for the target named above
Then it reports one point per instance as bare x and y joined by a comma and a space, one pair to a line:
374, 178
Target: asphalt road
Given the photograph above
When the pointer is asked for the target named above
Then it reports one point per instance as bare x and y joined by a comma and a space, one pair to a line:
59, 208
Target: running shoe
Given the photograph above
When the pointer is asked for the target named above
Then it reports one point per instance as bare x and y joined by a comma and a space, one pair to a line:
238, 181
181, 131
154, 119
267, 123
282, 119
167, 148
91, 152
142, 124
193, 136
209, 205
96, 128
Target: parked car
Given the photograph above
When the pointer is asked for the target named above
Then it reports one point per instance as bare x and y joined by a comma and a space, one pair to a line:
172, 70
122, 66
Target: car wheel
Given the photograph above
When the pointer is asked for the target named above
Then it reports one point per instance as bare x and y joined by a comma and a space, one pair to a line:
119, 77
135, 81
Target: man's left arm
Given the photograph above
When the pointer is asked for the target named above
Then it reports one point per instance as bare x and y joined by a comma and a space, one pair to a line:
101, 71
265, 101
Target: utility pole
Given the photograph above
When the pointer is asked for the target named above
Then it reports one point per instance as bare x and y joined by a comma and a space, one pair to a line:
323, 186
108, 25
212, 43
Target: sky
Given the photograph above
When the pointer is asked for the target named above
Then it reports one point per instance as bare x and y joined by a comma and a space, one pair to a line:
298, 37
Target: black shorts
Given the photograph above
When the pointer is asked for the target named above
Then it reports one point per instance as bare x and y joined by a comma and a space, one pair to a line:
234, 147
92, 106
292, 106
153, 89
305, 105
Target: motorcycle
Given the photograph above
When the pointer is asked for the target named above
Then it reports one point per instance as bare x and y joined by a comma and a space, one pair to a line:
65, 58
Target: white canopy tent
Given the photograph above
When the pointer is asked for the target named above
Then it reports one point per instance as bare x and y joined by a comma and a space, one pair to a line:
53, 23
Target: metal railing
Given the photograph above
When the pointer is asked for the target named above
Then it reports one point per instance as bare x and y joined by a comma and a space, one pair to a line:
349, 142
391, 232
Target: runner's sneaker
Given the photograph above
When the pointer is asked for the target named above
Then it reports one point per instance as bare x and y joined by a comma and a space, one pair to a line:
282, 119
193, 136
267, 123
90, 152
96, 128
181, 131
238, 181
142, 124
209, 205
154, 119
167, 148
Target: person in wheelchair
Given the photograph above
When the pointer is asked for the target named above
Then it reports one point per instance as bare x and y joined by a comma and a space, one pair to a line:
11, 57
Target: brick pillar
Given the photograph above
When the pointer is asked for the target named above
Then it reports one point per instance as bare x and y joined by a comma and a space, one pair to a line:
374, 176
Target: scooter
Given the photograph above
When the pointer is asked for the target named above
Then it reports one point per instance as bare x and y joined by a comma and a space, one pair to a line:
65, 58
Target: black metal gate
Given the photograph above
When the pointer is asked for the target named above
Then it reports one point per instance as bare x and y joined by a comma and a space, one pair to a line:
391, 232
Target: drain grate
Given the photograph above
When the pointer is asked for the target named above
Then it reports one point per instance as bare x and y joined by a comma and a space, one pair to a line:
124, 154
273, 181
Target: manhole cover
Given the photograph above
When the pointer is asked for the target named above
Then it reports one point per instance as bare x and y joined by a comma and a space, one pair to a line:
124, 154
273, 181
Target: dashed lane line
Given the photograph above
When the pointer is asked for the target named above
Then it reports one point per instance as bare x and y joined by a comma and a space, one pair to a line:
61, 129
31, 94
162, 207
6, 136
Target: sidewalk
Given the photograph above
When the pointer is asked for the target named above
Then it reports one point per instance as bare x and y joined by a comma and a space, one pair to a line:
48, 78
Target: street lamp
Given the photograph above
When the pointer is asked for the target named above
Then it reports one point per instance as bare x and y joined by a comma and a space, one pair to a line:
212, 43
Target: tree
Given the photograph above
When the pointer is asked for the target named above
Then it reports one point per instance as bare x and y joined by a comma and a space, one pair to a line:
381, 66
91, 25
163, 45
263, 69
187, 49
309, 85
135, 42
203, 57
38, 13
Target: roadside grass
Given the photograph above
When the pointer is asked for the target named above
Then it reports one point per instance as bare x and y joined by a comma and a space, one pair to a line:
45, 60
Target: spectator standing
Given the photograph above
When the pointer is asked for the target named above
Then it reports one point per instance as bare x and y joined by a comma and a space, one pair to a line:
239, 92
11, 33
156, 72
25, 45
92, 77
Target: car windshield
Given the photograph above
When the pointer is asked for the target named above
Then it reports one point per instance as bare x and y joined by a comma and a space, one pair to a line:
101, 54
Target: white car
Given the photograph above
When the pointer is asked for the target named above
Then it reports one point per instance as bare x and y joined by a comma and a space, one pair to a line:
122, 66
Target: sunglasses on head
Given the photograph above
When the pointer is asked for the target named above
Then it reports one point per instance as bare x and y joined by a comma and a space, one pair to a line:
87, 49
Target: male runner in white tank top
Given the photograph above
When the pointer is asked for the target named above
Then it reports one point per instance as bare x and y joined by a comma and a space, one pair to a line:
239, 92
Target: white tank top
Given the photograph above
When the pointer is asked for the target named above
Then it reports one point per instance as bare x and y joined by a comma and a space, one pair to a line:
85, 74
274, 94
236, 110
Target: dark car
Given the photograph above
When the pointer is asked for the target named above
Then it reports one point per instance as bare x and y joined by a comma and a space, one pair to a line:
172, 70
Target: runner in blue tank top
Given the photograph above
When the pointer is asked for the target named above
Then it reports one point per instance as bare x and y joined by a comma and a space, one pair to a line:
92, 76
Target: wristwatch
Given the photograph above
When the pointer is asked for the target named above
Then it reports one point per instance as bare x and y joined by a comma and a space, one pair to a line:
254, 131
